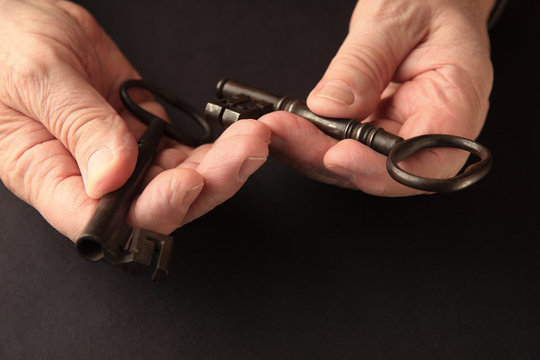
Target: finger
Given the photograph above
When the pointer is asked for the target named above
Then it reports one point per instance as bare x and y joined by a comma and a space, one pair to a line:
364, 169
39, 170
301, 145
163, 204
82, 120
237, 154
182, 186
104, 65
175, 157
68, 78
380, 37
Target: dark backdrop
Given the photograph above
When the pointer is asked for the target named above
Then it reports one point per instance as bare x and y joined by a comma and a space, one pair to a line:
291, 268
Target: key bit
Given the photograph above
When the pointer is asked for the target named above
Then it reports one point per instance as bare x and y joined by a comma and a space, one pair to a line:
228, 110
144, 247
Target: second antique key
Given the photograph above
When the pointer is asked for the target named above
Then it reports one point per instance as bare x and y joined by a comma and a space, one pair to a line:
238, 101
108, 236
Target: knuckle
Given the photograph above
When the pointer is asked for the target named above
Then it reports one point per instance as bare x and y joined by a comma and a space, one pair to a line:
251, 126
24, 83
363, 62
83, 17
404, 14
80, 130
247, 131
455, 89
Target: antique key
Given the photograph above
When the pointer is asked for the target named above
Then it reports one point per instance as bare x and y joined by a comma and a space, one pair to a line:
239, 101
107, 236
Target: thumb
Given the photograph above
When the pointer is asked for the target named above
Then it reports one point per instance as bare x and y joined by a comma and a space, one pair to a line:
377, 42
87, 125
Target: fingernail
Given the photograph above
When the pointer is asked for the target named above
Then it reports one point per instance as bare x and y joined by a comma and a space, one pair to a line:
97, 163
250, 165
337, 91
191, 194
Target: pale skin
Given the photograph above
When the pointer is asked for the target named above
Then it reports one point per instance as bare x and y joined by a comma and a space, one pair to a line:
66, 140
412, 67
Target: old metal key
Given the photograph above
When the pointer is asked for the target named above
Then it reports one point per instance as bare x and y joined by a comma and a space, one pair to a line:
240, 101
107, 236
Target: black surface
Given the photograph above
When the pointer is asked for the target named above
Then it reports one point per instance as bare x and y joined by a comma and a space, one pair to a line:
291, 268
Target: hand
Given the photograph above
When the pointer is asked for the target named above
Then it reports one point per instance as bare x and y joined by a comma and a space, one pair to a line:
410, 67
66, 140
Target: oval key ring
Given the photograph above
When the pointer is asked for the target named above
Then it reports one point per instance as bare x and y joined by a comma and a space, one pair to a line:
170, 130
406, 148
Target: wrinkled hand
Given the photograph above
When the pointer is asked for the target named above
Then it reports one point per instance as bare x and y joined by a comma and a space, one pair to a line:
410, 67
66, 139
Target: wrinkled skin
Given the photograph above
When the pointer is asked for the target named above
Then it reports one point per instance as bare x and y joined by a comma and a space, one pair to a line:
411, 67
66, 139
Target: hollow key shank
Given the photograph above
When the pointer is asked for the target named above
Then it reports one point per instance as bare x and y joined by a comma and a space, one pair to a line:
107, 236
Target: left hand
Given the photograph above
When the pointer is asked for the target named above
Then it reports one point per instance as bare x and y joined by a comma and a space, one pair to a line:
66, 139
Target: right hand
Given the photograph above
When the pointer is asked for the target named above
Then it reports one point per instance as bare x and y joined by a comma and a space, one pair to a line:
410, 67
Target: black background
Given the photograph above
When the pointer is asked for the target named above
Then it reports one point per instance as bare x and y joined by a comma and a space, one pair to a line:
291, 268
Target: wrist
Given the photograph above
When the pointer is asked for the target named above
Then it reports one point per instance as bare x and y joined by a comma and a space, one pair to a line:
495, 12
483, 13
486, 7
